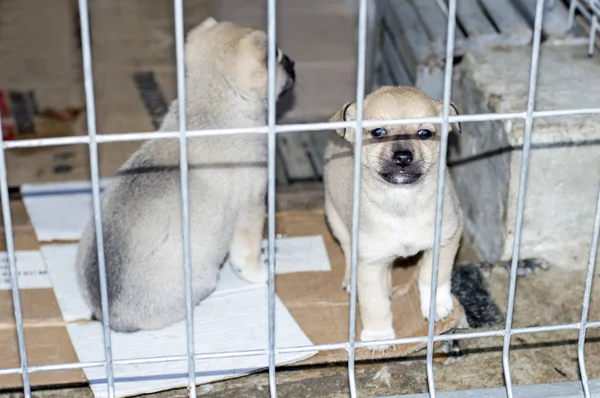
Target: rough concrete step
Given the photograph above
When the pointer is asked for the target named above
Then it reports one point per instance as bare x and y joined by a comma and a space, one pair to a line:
564, 171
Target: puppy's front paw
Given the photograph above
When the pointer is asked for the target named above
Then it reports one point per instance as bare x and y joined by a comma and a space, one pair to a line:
443, 305
257, 274
373, 335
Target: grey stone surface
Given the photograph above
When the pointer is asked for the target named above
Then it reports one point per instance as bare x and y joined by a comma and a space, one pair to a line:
564, 171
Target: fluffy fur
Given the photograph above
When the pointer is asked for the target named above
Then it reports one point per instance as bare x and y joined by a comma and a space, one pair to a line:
226, 68
398, 199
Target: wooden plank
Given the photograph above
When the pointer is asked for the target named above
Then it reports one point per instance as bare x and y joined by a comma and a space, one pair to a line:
473, 20
393, 63
292, 148
513, 27
436, 24
412, 31
555, 19
385, 77
392, 25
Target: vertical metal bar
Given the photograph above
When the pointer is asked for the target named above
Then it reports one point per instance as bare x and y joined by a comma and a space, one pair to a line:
535, 55
93, 147
360, 96
586, 301
271, 154
572, 8
12, 266
593, 28
440, 192
185, 211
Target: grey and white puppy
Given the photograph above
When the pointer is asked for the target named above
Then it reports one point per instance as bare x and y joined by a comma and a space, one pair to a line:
226, 68
398, 203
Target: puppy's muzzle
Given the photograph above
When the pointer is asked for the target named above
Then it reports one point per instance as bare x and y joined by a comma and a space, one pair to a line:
288, 65
401, 169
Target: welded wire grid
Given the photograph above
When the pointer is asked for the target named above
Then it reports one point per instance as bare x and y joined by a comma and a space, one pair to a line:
590, 10
272, 129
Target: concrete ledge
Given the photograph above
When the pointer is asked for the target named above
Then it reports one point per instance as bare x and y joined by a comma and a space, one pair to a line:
553, 390
564, 172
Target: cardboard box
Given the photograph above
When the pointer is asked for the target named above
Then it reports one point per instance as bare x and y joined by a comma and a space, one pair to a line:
41, 79
45, 333
314, 299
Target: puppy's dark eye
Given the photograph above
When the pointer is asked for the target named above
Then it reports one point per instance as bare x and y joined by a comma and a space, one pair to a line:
378, 132
425, 134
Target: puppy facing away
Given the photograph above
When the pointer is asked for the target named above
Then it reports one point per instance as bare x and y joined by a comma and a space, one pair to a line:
398, 203
226, 68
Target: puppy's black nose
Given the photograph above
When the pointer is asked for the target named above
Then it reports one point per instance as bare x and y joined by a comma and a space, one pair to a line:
403, 158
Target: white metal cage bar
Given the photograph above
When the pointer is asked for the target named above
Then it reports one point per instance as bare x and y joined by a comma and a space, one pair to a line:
14, 283
185, 201
592, 14
271, 152
354, 246
271, 129
533, 72
291, 128
308, 348
90, 104
586, 301
440, 193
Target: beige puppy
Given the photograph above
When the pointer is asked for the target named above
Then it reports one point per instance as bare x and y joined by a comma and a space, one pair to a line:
398, 201
226, 69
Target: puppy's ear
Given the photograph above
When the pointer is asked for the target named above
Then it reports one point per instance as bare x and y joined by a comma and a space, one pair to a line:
195, 34
256, 38
455, 127
209, 22
345, 114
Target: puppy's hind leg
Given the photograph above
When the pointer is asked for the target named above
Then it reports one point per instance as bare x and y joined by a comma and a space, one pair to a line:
244, 253
443, 303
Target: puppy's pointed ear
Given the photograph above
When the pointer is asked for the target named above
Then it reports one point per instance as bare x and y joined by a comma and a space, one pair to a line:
345, 114
256, 38
195, 34
455, 127
209, 22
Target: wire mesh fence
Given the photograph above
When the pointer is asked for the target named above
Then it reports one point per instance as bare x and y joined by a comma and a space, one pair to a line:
271, 129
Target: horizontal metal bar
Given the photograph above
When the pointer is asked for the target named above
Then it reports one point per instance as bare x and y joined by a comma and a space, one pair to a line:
546, 390
289, 128
300, 349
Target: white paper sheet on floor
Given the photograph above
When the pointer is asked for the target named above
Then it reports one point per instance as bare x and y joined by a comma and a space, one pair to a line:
233, 318
59, 211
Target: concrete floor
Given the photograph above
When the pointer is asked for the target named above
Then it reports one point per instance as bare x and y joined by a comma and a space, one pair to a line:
543, 298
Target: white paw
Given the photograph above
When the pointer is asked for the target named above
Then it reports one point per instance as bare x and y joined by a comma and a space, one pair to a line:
251, 274
374, 335
443, 303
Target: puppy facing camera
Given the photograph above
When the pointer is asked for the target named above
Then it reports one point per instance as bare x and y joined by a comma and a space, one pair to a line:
226, 85
399, 168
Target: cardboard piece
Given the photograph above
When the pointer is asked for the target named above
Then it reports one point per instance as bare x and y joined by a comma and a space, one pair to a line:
45, 334
313, 298
41, 84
